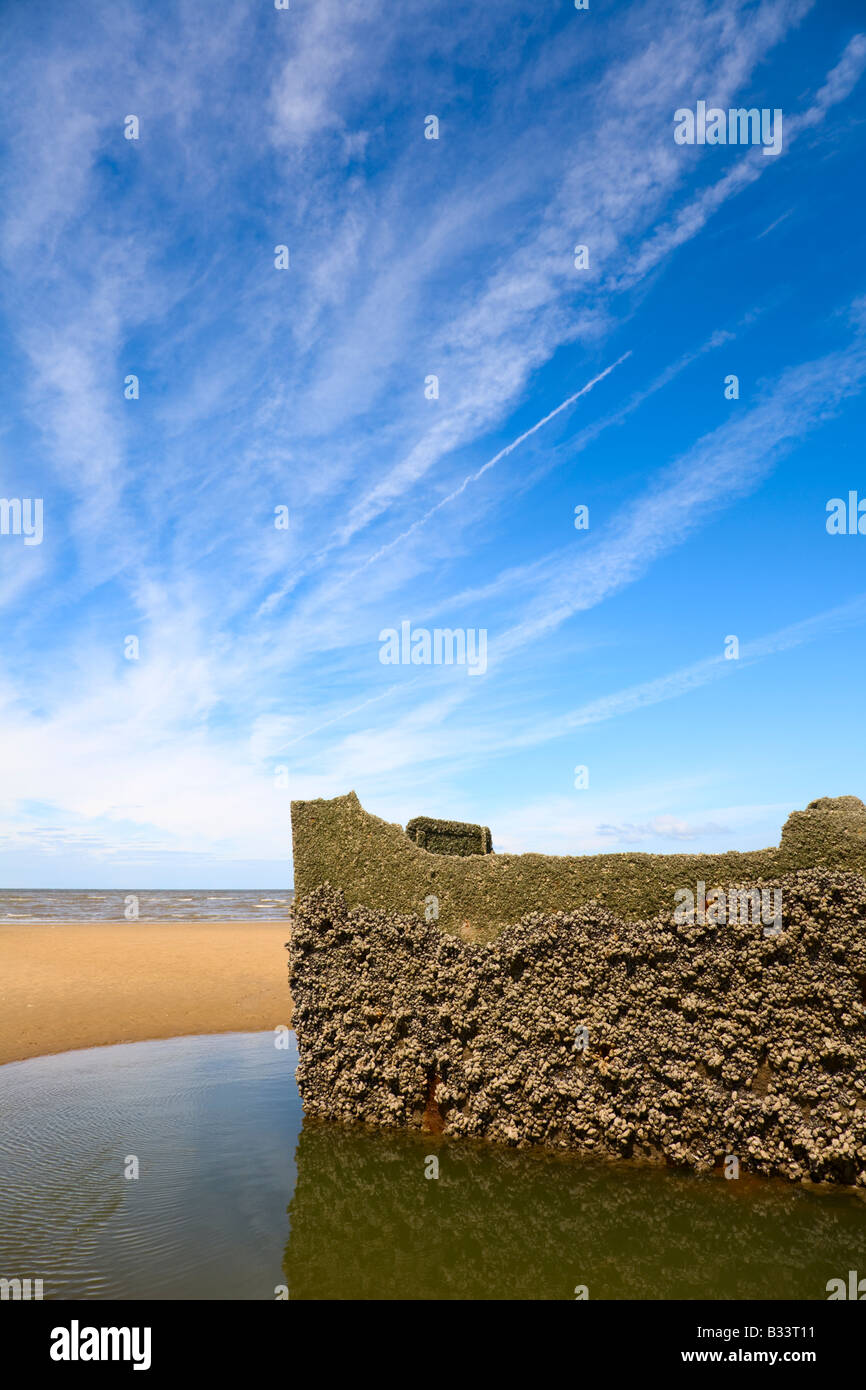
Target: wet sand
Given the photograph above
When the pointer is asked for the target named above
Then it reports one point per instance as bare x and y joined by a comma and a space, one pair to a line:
65, 985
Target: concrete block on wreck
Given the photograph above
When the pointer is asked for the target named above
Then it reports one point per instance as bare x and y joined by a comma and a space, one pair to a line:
449, 836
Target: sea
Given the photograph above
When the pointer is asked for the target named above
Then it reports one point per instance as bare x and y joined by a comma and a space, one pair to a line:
144, 905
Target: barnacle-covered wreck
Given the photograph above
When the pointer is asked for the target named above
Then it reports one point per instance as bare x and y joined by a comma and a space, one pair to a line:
564, 1001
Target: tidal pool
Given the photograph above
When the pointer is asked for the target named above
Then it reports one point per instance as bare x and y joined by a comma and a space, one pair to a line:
238, 1197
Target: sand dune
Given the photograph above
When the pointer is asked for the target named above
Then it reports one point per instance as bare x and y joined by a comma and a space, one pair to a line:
66, 985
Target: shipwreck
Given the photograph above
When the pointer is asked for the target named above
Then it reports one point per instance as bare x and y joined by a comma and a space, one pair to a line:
568, 1001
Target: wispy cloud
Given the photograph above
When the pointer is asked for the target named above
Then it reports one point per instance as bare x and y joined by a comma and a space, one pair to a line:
304, 389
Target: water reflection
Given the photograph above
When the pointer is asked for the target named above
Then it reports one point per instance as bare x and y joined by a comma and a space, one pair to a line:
502, 1223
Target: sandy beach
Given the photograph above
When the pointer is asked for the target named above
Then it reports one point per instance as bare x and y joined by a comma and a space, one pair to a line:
65, 985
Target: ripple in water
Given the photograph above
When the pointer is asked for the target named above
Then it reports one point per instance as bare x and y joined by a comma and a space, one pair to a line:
214, 1124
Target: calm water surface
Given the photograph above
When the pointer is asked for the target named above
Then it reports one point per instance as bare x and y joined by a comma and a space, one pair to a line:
237, 1195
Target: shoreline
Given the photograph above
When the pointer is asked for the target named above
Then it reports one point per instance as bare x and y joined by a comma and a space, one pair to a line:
71, 985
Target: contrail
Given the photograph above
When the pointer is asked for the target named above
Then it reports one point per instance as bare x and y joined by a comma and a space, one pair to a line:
374, 699
473, 477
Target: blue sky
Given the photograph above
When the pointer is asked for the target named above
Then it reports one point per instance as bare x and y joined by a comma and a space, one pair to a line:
258, 676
